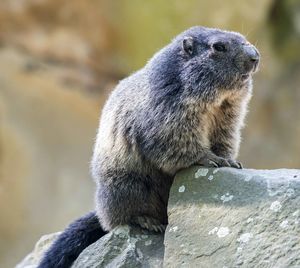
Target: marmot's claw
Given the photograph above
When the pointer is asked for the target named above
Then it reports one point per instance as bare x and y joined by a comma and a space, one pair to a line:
212, 163
225, 162
150, 224
220, 162
235, 164
215, 162
240, 165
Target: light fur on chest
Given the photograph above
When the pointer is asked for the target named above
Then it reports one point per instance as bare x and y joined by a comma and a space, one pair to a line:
211, 116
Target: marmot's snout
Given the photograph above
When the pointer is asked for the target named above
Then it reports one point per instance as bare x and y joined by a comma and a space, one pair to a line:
250, 60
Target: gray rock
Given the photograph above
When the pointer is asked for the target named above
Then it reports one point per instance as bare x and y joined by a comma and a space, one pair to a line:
217, 218
32, 259
123, 247
234, 218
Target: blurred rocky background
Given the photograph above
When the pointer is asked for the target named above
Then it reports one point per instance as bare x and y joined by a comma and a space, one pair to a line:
59, 59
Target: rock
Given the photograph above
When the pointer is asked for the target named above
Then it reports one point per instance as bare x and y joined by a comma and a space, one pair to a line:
217, 218
123, 247
234, 218
33, 258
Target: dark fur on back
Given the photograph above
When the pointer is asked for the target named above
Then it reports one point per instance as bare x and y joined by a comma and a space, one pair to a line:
185, 107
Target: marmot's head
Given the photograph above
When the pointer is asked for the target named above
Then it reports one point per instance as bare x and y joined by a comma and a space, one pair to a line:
204, 60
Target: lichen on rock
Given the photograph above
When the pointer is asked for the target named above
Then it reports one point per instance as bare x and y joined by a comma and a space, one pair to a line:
240, 218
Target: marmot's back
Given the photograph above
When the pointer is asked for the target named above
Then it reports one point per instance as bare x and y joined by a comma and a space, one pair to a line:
116, 139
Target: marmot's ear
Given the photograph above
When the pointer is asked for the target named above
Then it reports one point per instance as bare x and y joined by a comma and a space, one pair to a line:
188, 45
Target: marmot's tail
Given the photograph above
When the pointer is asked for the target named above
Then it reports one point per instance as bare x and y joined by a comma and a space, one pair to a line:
77, 236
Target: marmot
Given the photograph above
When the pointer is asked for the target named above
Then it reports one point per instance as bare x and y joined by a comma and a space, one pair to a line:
185, 107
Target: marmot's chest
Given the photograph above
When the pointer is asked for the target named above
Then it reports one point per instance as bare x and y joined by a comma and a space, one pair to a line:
204, 121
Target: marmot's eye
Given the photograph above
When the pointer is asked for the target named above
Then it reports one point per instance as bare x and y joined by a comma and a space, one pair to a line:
220, 47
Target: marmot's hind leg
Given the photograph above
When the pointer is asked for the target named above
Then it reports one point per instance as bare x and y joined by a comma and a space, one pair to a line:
149, 223
133, 199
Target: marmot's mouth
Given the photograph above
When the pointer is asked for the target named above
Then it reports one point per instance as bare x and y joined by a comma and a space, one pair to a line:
245, 76
255, 67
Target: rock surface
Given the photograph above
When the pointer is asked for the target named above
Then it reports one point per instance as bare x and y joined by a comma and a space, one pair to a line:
32, 259
234, 218
217, 218
123, 247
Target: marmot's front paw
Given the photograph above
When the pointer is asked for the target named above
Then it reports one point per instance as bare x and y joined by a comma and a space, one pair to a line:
217, 161
235, 164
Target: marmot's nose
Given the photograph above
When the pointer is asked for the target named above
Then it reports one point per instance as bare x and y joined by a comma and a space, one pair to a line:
252, 54
251, 58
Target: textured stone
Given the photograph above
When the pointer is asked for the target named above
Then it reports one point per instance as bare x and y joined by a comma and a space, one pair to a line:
234, 218
217, 218
33, 258
123, 247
